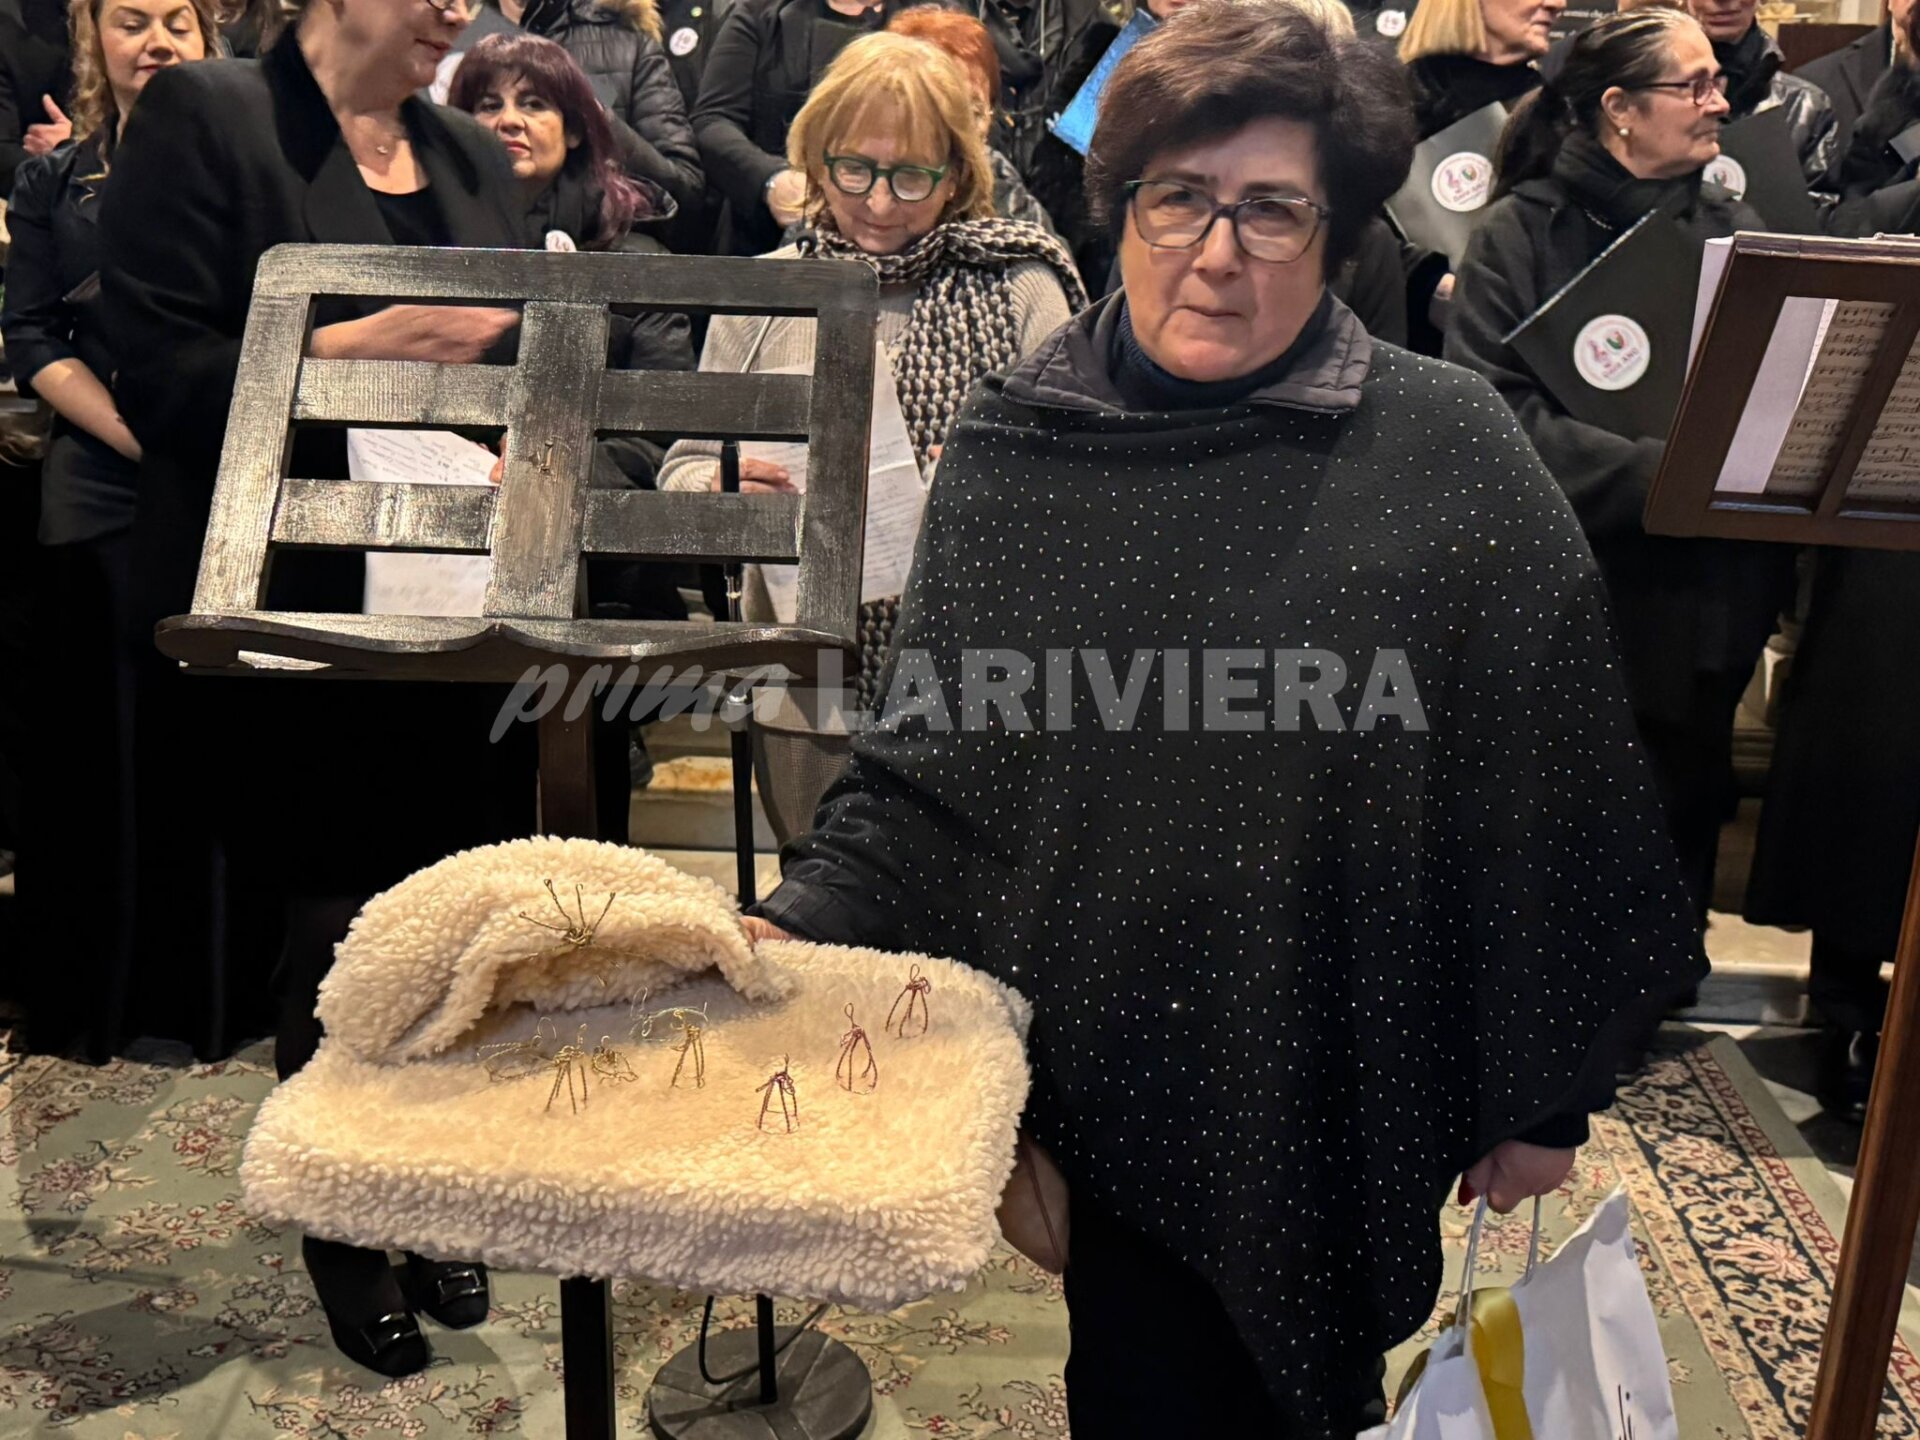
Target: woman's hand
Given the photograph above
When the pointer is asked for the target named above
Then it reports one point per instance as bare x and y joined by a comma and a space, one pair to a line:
1515, 1172
787, 196
760, 477
444, 334
51, 133
758, 929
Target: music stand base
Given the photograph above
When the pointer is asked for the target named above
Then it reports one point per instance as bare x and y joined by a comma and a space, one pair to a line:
825, 1392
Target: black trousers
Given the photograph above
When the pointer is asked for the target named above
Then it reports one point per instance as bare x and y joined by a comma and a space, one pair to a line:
1692, 757
1154, 1353
1845, 986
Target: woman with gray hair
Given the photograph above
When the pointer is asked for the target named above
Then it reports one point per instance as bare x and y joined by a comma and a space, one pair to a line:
1253, 712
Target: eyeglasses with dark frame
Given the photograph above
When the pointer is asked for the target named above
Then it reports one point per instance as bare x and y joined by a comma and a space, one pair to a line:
443, 6
856, 175
1172, 215
1700, 89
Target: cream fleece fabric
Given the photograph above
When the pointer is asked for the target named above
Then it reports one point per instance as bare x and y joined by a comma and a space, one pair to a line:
424, 960
874, 1201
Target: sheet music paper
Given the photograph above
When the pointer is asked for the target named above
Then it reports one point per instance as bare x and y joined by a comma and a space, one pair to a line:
896, 498
421, 584
1784, 370
1889, 468
1844, 349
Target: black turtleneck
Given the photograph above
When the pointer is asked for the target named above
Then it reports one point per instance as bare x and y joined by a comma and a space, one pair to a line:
1448, 88
1145, 385
1750, 64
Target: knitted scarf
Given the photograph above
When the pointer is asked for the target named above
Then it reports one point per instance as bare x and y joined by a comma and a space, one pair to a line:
962, 327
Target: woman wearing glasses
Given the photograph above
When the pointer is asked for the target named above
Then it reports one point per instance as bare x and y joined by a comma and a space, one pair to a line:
324, 139
897, 178
1625, 129
1307, 814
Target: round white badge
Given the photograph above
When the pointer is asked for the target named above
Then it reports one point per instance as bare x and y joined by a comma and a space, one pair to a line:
684, 40
1462, 180
1391, 23
1612, 352
1729, 174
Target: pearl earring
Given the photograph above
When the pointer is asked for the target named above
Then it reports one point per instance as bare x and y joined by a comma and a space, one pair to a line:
1623, 132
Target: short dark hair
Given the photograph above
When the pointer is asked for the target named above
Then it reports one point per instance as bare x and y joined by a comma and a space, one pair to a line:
1218, 65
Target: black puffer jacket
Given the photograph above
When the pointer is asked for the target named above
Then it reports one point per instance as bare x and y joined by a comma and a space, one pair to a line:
630, 74
1757, 80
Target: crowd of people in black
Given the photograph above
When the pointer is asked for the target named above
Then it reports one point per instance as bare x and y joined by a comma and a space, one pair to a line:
1033, 298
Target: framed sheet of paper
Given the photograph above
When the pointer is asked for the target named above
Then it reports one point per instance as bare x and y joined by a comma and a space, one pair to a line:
896, 499
1801, 415
421, 584
1446, 193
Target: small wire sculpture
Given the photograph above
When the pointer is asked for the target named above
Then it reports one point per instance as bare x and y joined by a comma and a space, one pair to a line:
918, 987
611, 1064
780, 1083
577, 935
571, 1068
517, 1059
691, 1044
848, 1069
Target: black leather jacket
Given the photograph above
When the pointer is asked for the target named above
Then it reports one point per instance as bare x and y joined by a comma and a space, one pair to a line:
632, 77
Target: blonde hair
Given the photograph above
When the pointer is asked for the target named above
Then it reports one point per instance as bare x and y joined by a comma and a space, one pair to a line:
918, 90
93, 109
1444, 27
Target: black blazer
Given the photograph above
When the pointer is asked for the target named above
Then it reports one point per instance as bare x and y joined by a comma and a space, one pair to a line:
220, 162
34, 60
1848, 76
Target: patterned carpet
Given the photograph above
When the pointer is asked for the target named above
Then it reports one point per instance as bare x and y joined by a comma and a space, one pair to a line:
140, 1300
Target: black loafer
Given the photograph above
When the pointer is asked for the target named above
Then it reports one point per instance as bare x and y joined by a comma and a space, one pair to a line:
1846, 1072
353, 1283
453, 1292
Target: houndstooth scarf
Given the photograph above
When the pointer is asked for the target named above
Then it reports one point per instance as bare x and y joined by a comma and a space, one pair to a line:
962, 327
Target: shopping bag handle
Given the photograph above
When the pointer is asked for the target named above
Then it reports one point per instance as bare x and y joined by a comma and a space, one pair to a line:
1464, 1311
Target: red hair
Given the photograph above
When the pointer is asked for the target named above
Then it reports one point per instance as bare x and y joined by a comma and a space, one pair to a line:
557, 78
961, 36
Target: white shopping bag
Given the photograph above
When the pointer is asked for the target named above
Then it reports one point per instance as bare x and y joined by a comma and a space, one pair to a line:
1593, 1364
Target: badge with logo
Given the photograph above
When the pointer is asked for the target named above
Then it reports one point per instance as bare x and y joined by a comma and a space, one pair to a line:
684, 40
1462, 180
1612, 352
1729, 174
1391, 23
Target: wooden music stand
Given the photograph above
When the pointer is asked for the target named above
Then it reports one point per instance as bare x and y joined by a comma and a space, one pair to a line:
1762, 273
538, 526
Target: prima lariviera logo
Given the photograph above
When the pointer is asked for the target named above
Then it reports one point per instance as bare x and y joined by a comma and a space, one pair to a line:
1462, 181
1612, 352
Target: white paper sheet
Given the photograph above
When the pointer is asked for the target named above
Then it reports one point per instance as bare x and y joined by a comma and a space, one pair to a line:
421, 584
896, 498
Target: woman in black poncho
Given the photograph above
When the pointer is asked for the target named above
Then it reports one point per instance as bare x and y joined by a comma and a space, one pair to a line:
1253, 712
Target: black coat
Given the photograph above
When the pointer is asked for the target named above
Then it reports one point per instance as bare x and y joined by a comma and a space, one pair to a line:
35, 60
1871, 164
1681, 607
1836, 837
1041, 45
1848, 76
219, 163
633, 79
1448, 88
763, 64
690, 26
1056, 172
1757, 80
53, 312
